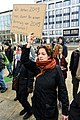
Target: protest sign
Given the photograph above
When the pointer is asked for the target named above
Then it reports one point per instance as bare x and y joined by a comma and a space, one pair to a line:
27, 18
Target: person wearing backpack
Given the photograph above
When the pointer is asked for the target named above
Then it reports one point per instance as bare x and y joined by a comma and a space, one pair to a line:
74, 67
9, 54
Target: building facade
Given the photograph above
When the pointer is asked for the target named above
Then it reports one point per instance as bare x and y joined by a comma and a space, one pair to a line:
5, 25
62, 19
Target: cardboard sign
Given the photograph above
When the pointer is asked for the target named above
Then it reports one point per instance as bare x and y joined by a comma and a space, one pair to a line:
27, 18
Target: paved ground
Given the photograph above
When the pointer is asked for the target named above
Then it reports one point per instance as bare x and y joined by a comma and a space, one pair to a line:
9, 109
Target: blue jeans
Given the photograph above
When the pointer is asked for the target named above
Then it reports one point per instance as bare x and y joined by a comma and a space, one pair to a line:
2, 81
9, 67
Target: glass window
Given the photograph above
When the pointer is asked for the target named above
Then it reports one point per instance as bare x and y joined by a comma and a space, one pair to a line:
66, 2
45, 27
58, 32
3, 28
50, 32
51, 19
45, 33
75, 31
45, 20
75, 9
51, 25
51, 6
75, 1
66, 17
74, 23
50, 13
59, 18
75, 16
66, 24
66, 32
1, 18
59, 11
58, 4
58, 25
66, 10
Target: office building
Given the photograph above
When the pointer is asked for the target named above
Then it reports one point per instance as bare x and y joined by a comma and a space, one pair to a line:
62, 19
5, 25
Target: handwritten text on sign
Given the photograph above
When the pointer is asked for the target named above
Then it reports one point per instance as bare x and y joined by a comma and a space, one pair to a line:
28, 18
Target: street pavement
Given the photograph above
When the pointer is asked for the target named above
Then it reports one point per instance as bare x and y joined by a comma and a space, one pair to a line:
9, 109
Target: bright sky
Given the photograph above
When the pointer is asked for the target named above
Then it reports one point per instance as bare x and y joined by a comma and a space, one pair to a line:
8, 4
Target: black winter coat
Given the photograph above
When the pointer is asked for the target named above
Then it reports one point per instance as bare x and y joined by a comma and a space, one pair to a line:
9, 53
74, 113
45, 95
26, 77
74, 62
44, 101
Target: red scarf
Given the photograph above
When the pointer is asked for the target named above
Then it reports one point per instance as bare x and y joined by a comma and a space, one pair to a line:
45, 65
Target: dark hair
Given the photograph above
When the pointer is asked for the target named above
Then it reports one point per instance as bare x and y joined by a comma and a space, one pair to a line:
63, 40
7, 44
48, 50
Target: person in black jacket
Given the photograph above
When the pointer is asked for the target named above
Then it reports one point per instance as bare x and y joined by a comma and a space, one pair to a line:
9, 55
62, 42
25, 84
48, 78
74, 113
74, 60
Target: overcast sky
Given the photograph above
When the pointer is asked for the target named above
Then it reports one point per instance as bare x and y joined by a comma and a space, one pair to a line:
8, 4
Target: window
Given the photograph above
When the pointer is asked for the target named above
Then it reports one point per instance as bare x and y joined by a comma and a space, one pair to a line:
75, 16
58, 25
59, 11
58, 32
71, 32
51, 19
51, 6
58, 4
66, 24
50, 32
45, 33
45, 27
66, 10
51, 25
75, 9
66, 2
51, 13
75, 1
67, 17
74, 23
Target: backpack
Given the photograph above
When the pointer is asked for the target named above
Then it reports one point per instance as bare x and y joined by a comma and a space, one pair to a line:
2, 64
